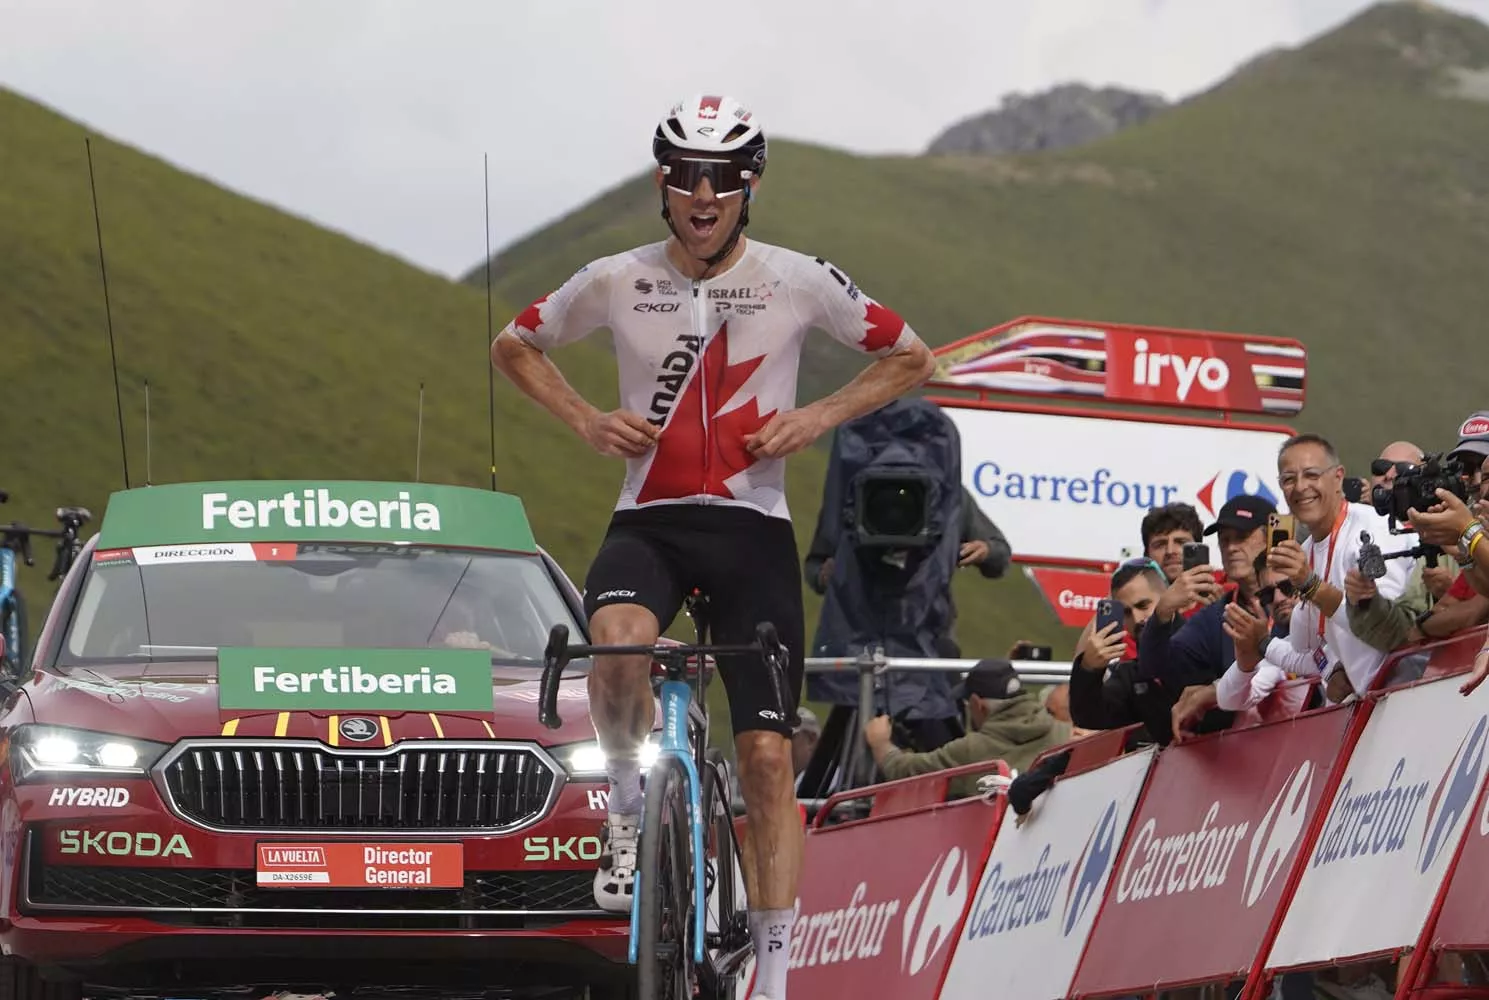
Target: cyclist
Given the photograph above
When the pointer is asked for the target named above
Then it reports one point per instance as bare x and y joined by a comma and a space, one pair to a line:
708, 330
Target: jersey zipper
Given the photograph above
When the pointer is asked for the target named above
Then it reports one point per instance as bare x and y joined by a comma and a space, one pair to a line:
700, 323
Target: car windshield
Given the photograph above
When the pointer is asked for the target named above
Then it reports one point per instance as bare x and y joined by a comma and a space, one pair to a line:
181, 602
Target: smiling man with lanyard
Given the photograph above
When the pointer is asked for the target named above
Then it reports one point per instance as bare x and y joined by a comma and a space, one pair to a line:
1319, 640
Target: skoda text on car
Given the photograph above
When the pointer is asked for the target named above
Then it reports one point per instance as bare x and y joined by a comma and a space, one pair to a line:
287, 732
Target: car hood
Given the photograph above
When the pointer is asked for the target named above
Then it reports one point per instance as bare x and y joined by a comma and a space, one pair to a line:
170, 701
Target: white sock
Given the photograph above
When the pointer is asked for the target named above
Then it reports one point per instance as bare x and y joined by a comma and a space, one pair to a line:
625, 785
771, 931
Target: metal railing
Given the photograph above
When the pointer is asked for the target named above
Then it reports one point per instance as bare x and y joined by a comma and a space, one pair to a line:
873, 663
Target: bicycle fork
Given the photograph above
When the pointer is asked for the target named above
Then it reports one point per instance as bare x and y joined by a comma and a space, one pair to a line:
675, 698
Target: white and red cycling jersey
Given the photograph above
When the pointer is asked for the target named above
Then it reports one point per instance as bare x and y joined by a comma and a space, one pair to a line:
710, 361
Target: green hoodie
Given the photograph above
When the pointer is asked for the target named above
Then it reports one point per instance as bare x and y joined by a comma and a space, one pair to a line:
1017, 730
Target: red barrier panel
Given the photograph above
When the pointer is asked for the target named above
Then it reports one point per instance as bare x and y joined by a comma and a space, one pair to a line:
881, 898
1197, 886
1042, 885
1374, 870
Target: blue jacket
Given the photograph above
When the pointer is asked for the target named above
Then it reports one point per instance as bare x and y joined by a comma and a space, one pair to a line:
1199, 652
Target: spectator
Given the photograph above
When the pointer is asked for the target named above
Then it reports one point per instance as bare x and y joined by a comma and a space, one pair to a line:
1389, 625
1106, 691
1319, 640
1008, 724
804, 739
1383, 469
1198, 651
1166, 530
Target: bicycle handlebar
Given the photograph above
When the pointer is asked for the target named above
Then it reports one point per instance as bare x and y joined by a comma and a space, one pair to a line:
558, 653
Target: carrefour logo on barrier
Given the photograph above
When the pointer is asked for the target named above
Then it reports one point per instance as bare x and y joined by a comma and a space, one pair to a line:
1376, 821
933, 913
1454, 793
1102, 487
1028, 898
1279, 831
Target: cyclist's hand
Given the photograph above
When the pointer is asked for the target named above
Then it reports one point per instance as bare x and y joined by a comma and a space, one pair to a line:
620, 433
786, 433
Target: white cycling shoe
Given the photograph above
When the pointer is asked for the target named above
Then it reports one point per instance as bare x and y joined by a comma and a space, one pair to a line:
615, 880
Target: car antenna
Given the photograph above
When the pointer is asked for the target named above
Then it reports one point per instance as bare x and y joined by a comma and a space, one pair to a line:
107, 311
490, 368
147, 432
419, 441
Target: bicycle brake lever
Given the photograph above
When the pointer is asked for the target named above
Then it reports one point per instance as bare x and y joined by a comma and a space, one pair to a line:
58, 567
554, 657
26, 550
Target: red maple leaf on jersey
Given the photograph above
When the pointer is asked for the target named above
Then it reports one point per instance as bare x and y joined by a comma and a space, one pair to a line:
530, 318
683, 464
885, 327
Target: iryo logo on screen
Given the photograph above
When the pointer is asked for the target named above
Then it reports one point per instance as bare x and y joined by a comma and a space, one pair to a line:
1455, 792
1026, 898
1226, 485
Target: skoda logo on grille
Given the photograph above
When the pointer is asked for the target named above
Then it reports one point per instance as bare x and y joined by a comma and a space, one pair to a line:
358, 730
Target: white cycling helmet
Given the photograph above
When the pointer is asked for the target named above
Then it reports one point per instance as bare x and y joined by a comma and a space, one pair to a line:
710, 123
721, 126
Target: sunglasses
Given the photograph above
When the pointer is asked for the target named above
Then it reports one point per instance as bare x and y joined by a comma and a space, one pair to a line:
726, 177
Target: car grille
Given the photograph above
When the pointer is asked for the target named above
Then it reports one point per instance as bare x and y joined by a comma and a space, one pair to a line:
305, 786
230, 897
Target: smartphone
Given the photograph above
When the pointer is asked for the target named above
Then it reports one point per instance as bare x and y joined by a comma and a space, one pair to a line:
1356, 490
1196, 554
1029, 651
1280, 528
1108, 612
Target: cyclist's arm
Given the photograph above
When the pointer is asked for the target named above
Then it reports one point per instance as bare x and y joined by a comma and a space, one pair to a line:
833, 302
520, 352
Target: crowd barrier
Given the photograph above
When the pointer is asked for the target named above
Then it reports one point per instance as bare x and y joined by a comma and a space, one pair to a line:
1344, 834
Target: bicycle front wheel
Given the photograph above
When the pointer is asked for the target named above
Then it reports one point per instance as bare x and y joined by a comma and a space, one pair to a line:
665, 869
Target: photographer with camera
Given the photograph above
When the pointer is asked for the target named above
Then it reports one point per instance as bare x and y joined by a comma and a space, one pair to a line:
1388, 624
894, 527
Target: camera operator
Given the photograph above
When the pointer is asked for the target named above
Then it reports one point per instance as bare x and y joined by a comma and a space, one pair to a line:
896, 469
1388, 624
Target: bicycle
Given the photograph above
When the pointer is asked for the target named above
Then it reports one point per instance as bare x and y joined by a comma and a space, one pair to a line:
676, 871
15, 540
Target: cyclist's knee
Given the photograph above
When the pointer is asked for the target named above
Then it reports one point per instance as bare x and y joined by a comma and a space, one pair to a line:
624, 625
764, 760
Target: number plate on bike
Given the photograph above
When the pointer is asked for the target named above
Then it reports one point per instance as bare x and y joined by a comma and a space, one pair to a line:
361, 866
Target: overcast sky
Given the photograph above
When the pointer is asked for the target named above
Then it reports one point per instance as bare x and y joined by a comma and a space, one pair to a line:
372, 116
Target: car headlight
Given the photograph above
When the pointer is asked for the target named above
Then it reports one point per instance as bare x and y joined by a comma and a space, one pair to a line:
49, 751
587, 760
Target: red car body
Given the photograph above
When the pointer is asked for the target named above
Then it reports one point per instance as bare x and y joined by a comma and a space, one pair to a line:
150, 883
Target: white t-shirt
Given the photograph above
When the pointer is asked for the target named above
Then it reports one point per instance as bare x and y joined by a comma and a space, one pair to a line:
1304, 652
710, 361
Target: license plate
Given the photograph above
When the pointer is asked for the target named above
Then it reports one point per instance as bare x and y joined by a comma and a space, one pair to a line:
361, 866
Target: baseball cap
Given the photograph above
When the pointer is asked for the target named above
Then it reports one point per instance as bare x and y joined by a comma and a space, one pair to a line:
1243, 513
1473, 436
990, 679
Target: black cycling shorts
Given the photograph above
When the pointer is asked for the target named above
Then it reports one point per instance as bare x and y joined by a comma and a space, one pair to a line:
743, 561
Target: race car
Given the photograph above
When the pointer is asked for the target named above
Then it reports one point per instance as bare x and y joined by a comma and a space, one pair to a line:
283, 736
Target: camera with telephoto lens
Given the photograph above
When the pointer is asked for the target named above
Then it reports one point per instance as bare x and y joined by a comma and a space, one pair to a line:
892, 510
1415, 488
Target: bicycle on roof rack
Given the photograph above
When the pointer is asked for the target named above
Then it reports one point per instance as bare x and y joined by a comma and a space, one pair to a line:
15, 541
688, 850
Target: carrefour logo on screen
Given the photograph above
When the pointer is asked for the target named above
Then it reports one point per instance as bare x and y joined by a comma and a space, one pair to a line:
1010, 900
1228, 484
